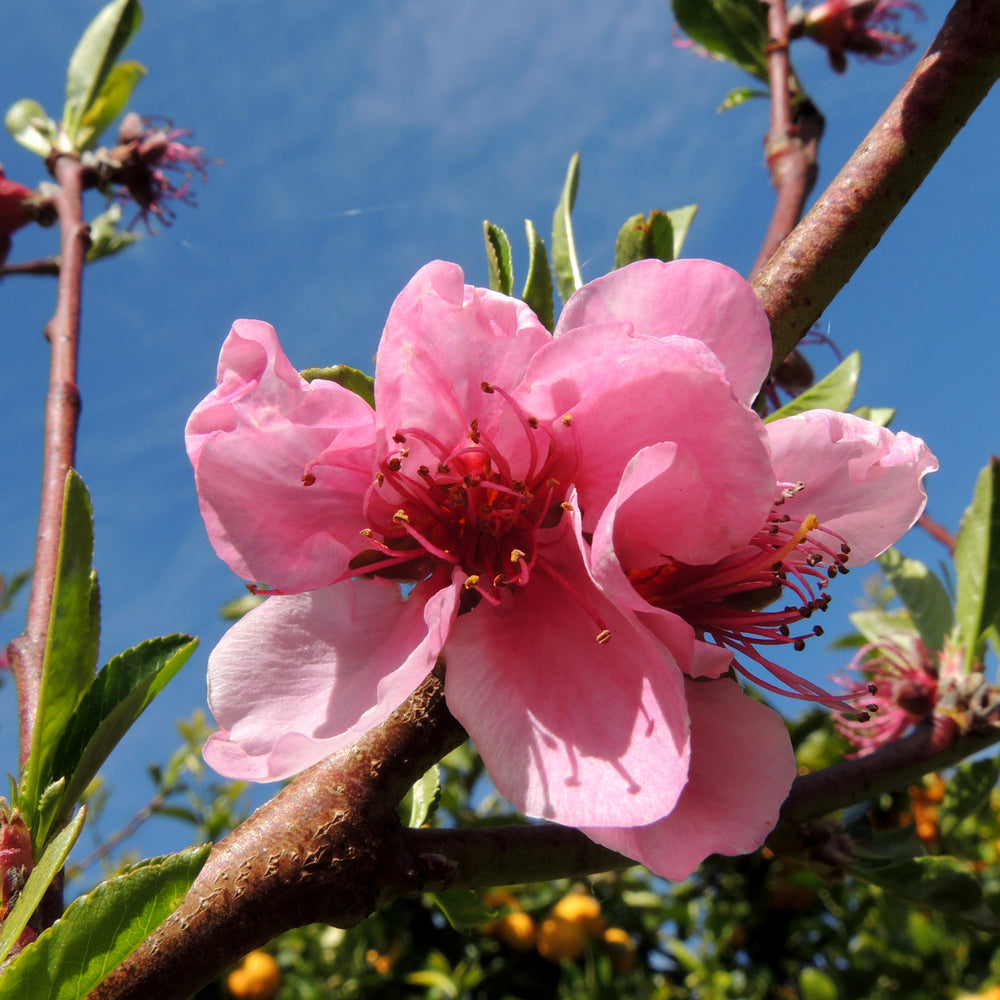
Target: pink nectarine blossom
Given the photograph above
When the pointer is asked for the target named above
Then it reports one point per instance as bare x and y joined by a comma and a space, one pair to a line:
476, 483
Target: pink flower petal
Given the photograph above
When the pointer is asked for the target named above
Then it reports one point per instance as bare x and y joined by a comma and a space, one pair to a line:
570, 729
303, 676
690, 298
443, 339
253, 439
742, 767
861, 480
624, 392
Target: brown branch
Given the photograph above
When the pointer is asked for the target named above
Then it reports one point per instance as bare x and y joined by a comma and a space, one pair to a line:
62, 415
938, 532
48, 266
827, 247
792, 143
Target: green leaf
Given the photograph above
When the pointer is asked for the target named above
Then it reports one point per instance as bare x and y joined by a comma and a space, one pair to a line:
110, 102
98, 931
49, 865
942, 883
239, 606
877, 625
732, 30
538, 288
643, 238
564, 258
463, 909
106, 239
923, 595
740, 95
815, 984
680, 221
71, 648
498, 258
967, 791
93, 59
881, 415
424, 797
834, 392
350, 378
120, 694
28, 123
977, 564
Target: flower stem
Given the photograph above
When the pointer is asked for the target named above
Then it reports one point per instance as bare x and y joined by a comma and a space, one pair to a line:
818, 258
62, 415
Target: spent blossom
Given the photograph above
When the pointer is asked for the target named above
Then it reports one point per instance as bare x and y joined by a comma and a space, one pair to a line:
871, 29
491, 481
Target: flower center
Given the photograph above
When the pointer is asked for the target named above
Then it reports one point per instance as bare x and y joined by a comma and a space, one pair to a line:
466, 505
725, 601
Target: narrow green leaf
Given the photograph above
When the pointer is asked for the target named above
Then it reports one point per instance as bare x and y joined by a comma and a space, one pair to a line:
106, 239
239, 606
110, 101
49, 864
120, 694
98, 931
877, 625
680, 221
424, 797
498, 258
91, 63
642, 238
834, 392
350, 378
538, 287
967, 791
28, 123
942, 883
71, 649
564, 258
977, 564
732, 30
922, 594
463, 909
738, 96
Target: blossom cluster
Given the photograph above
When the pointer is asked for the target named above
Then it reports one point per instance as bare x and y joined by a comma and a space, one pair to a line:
592, 529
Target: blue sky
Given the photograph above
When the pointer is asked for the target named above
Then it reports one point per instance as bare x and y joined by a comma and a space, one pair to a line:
362, 140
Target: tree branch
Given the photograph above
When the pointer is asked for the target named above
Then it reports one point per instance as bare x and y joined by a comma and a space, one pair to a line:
62, 416
827, 247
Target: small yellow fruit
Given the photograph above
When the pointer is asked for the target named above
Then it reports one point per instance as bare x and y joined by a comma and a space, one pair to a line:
257, 977
579, 908
621, 949
517, 931
559, 939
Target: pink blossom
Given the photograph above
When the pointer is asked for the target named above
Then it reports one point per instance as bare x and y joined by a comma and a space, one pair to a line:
479, 479
824, 489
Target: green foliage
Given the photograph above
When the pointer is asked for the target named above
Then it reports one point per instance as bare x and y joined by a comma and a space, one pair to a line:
462, 908
71, 649
641, 238
740, 95
106, 239
350, 378
423, 798
731, 30
923, 595
92, 65
110, 102
564, 257
28, 123
538, 286
99, 930
498, 258
834, 392
977, 565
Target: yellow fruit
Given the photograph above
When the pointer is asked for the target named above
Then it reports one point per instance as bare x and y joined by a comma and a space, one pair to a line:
579, 908
257, 978
621, 949
559, 939
517, 931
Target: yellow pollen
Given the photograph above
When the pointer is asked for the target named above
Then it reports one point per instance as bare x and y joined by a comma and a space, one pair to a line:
604, 637
566, 505
470, 582
401, 516
367, 532
516, 555
567, 420
379, 479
